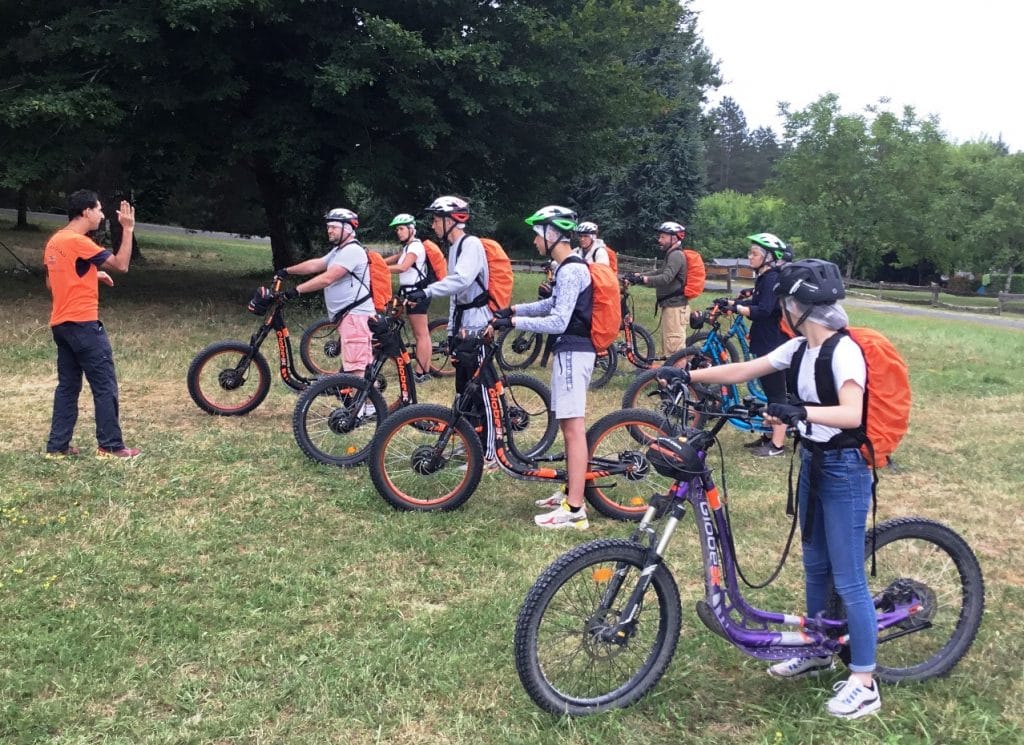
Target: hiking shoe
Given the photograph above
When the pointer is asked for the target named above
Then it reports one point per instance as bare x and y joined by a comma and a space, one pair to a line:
122, 453
551, 502
562, 518
69, 452
758, 442
767, 450
853, 700
799, 667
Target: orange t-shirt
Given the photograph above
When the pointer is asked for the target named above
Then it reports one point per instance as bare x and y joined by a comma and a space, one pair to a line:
71, 260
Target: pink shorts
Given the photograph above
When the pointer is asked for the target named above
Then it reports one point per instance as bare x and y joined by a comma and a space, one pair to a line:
356, 343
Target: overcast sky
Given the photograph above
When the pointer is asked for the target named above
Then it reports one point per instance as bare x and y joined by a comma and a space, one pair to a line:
961, 61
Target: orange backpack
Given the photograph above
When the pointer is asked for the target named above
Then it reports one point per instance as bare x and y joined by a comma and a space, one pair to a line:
499, 273
606, 316
380, 280
695, 274
886, 398
437, 264
613, 258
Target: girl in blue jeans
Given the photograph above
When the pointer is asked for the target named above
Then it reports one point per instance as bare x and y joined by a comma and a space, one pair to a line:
834, 488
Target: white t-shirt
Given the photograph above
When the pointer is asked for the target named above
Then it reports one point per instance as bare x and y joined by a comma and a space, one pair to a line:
597, 254
847, 364
354, 285
418, 270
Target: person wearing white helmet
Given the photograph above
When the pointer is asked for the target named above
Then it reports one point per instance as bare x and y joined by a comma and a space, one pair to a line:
343, 274
410, 266
668, 284
465, 284
592, 248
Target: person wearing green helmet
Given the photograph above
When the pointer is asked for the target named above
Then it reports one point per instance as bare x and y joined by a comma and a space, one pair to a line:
566, 317
766, 254
410, 266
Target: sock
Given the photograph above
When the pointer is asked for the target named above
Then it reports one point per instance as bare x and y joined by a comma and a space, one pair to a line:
574, 509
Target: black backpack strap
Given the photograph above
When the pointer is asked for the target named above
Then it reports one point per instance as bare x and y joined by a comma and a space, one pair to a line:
579, 323
479, 301
369, 293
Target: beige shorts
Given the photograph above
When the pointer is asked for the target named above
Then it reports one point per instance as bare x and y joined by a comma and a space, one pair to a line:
675, 323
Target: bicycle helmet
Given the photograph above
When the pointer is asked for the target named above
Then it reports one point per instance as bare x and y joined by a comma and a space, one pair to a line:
675, 458
811, 282
774, 246
342, 215
562, 218
403, 218
672, 228
456, 208
586, 228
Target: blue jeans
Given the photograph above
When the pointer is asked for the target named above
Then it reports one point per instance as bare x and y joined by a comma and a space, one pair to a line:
835, 552
84, 348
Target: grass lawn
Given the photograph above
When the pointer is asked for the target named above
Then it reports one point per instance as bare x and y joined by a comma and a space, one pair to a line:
222, 588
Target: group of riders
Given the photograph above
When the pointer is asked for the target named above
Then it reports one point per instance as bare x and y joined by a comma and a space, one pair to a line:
803, 293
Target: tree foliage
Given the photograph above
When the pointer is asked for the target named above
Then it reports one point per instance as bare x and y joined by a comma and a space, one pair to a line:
724, 220
298, 106
737, 158
658, 172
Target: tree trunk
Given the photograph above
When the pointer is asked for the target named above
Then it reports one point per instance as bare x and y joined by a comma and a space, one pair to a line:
274, 201
1009, 279
22, 223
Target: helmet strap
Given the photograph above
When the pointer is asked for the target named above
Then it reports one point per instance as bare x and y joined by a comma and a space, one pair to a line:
789, 316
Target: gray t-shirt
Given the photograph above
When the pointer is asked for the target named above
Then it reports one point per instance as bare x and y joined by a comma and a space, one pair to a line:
354, 285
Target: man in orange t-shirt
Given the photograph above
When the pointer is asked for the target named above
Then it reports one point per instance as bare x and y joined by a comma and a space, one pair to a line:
75, 266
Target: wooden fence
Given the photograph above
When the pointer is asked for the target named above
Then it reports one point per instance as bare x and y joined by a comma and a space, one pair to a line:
930, 296
644, 265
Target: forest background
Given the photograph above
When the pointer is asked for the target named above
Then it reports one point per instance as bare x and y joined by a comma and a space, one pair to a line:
254, 116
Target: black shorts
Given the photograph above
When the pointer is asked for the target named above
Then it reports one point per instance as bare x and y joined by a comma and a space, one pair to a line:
774, 386
419, 309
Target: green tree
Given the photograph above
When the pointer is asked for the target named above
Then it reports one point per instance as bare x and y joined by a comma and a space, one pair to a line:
379, 104
56, 109
723, 221
985, 209
658, 172
861, 188
738, 158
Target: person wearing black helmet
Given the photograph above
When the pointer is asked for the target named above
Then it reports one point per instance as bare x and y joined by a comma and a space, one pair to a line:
834, 487
766, 254
343, 274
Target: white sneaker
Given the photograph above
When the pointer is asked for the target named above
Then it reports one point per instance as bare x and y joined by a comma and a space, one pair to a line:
368, 410
551, 502
853, 700
490, 465
799, 667
562, 518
